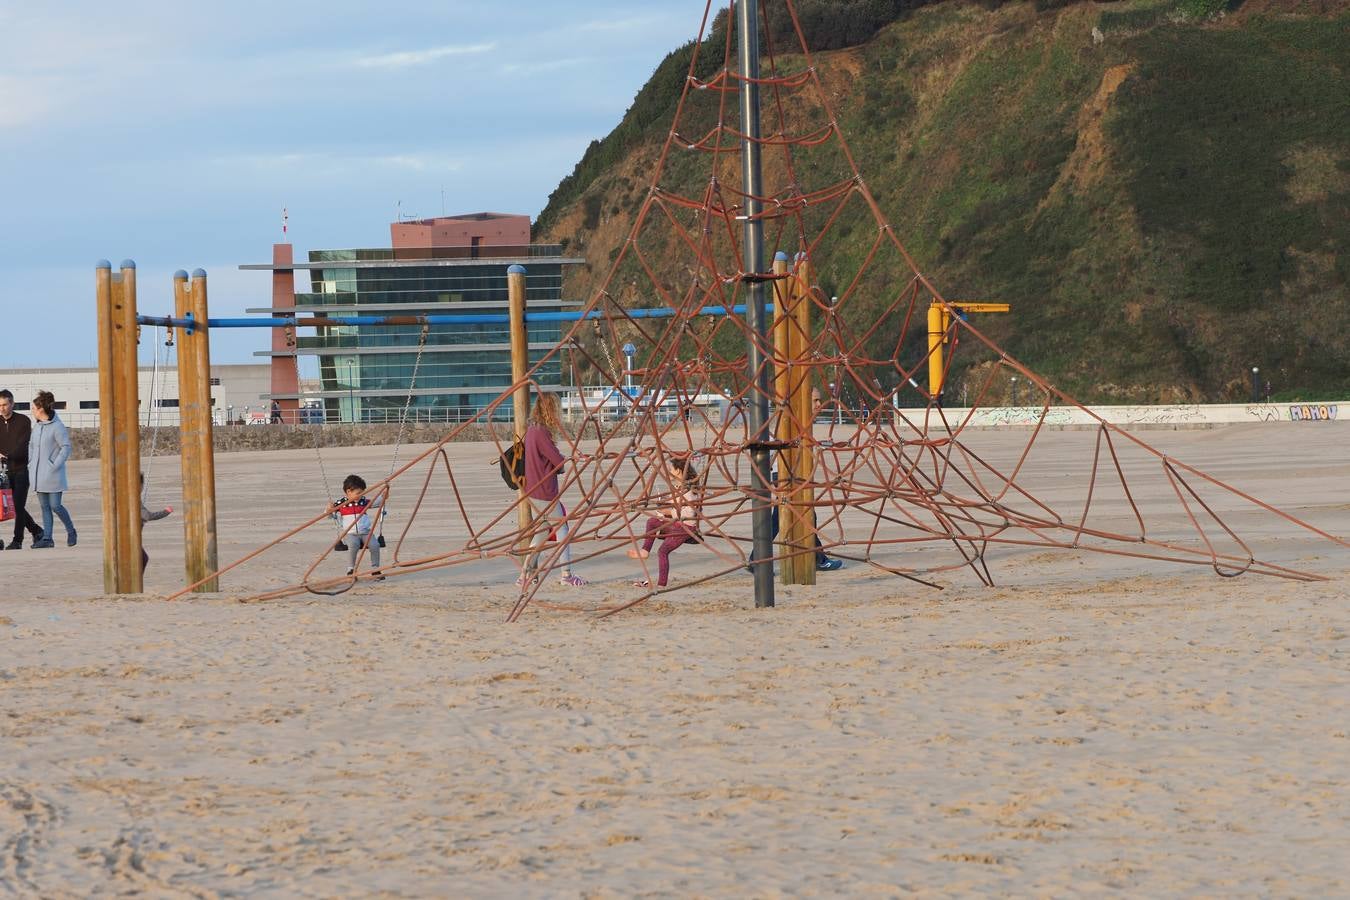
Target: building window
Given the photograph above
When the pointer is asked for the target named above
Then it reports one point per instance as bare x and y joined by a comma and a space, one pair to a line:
215, 382
88, 404
167, 403
22, 405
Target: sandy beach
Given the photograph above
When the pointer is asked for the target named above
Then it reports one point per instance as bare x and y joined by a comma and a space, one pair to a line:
1090, 724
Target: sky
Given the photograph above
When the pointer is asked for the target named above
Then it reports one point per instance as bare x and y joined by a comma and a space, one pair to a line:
174, 133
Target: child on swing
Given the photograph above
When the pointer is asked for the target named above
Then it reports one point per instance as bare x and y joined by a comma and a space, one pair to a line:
353, 517
148, 515
675, 525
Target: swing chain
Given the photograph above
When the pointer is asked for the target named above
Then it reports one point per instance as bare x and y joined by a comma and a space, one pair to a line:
412, 384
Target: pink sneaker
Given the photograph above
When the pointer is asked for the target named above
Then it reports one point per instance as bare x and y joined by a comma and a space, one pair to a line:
573, 581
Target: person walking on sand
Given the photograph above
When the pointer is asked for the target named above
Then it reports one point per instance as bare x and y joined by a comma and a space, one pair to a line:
48, 450
15, 432
543, 461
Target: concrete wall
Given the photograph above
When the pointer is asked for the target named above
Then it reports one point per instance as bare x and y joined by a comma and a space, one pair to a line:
240, 389
1147, 416
285, 437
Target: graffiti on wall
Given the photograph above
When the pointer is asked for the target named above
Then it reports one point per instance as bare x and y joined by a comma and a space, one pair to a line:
1321, 412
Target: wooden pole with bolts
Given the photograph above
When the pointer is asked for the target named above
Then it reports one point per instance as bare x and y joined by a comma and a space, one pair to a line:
103, 291
520, 364
126, 427
798, 513
195, 428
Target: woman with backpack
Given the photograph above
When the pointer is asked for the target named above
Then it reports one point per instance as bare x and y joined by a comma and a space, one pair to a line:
543, 461
48, 449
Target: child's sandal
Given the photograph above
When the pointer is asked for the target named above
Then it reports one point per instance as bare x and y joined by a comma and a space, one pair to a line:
644, 583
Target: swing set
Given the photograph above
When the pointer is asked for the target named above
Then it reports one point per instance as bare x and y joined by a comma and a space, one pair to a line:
188, 330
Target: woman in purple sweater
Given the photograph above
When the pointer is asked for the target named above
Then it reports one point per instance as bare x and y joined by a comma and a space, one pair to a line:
542, 464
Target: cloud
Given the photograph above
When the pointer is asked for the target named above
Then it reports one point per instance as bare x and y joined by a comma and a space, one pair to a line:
633, 23
405, 58
22, 101
330, 165
551, 65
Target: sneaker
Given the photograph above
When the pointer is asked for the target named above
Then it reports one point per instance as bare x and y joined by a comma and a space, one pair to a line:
340, 547
377, 575
829, 564
573, 581
526, 580
349, 571
42, 544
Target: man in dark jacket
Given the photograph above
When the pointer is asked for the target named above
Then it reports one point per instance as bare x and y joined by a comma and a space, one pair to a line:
15, 429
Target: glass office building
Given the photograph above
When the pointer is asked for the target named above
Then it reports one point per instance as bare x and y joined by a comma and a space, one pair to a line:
367, 372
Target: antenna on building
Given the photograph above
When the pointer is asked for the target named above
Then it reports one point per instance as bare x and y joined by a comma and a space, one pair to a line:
284, 219
442, 199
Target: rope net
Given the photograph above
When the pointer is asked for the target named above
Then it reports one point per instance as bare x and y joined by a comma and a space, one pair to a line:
873, 467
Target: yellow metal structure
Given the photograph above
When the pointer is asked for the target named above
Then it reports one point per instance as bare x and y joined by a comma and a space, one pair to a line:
939, 333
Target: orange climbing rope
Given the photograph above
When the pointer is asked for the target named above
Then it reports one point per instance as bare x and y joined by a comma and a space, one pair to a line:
891, 472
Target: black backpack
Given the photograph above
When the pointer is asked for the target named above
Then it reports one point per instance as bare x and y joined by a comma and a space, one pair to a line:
512, 464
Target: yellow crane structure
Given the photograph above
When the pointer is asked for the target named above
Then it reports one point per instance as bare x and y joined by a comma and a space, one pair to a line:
940, 329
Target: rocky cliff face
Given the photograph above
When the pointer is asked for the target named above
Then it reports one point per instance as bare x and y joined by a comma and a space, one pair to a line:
1161, 190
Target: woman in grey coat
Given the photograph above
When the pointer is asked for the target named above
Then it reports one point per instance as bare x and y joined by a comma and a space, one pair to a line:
48, 450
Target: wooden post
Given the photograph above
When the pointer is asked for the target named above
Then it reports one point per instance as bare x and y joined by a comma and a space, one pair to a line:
782, 351
103, 289
798, 514
194, 426
126, 426
520, 364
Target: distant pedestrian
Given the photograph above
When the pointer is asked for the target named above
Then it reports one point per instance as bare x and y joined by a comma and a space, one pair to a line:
276, 413
48, 450
15, 432
543, 461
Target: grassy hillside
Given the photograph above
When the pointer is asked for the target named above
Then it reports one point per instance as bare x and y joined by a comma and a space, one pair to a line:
1165, 206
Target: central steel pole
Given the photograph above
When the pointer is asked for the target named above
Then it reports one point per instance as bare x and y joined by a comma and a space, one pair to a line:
747, 26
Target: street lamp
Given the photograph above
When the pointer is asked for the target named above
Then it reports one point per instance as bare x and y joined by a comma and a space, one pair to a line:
351, 400
629, 351
837, 389
1256, 390
1014, 390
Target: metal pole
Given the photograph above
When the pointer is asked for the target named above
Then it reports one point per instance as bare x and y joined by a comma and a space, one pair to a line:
747, 25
